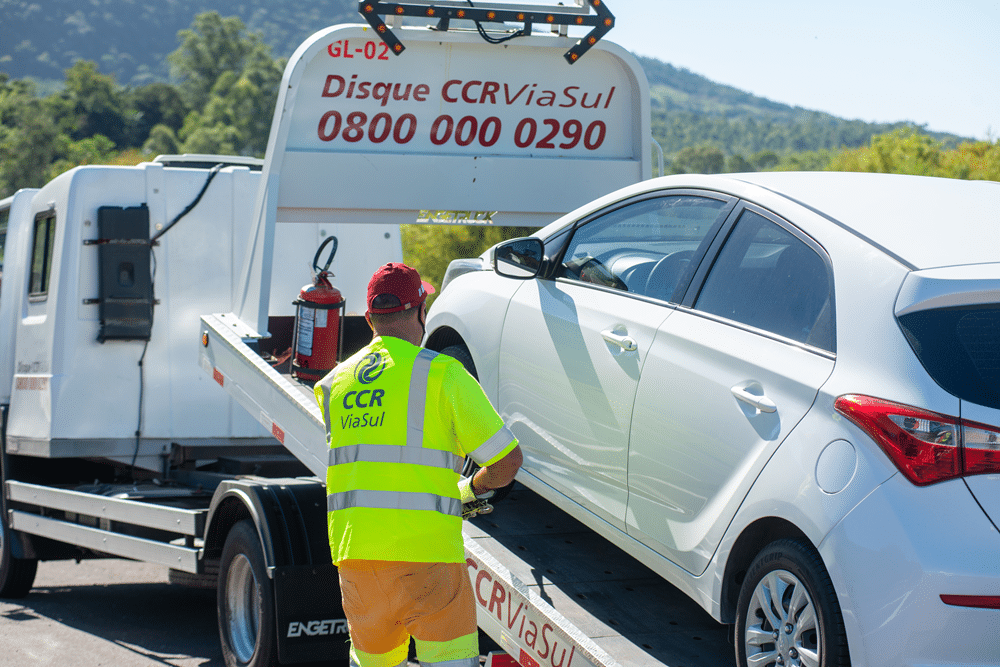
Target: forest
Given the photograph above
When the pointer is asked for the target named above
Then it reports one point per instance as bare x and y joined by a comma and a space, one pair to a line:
219, 94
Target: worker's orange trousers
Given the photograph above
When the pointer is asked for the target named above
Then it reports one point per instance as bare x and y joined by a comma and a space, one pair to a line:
388, 602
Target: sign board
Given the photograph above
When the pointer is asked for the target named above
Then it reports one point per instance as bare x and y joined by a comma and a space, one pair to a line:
454, 129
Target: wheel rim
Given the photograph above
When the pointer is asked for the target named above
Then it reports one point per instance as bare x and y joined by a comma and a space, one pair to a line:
241, 608
782, 626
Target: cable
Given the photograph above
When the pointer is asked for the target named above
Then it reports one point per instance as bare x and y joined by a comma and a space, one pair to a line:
142, 357
211, 175
152, 286
523, 32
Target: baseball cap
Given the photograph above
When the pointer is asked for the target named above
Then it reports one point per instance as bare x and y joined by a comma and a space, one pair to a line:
396, 287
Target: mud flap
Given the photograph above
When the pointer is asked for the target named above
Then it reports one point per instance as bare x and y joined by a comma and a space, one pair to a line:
309, 617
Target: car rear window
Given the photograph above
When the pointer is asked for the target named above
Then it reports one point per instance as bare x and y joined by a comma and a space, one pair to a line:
960, 348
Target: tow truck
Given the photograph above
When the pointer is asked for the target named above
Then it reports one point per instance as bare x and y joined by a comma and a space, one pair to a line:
118, 440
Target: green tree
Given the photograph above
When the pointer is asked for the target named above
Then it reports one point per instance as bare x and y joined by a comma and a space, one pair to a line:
95, 102
155, 104
898, 152
736, 164
230, 81
699, 160
161, 141
211, 47
29, 138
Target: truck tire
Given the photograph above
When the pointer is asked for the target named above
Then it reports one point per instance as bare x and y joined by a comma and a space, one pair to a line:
246, 601
17, 575
788, 611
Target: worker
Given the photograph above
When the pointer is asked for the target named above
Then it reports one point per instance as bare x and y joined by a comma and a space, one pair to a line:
400, 421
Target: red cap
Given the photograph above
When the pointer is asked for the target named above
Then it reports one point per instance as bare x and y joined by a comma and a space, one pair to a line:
400, 281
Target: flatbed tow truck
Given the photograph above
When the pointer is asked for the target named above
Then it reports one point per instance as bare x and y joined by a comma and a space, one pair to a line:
376, 125
592, 120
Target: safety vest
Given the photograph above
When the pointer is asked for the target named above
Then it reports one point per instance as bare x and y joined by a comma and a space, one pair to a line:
399, 419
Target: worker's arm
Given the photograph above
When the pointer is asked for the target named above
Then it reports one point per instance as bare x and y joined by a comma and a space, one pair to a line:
499, 473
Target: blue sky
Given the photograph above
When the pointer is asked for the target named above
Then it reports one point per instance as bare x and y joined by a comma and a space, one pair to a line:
932, 63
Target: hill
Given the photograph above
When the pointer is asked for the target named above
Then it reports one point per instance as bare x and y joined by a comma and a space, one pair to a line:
130, 39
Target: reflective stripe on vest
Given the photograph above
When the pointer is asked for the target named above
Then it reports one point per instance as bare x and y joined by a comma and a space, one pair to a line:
418, 398
437, 458
394, 500
413, 452
493, 446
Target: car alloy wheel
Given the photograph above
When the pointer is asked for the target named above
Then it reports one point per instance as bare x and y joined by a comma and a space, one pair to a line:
788, 615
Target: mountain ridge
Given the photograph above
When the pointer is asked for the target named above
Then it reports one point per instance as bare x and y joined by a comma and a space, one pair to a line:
135, 38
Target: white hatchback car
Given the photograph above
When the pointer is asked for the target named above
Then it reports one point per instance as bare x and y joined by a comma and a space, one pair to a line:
780, 391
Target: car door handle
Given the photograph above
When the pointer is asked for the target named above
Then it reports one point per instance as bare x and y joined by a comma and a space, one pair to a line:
761, 402
626, 343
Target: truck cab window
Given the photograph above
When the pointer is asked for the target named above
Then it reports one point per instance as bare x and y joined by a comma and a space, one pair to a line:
41, 254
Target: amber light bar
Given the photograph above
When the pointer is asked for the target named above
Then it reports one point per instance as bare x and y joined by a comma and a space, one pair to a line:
601, 22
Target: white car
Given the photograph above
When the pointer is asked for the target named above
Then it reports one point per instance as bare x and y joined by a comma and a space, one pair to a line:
780, 391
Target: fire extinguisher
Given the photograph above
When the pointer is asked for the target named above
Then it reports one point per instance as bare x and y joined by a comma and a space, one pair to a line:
318, 322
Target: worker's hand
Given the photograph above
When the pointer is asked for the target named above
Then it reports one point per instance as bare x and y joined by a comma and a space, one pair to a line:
475, 508
466, 493
473, 505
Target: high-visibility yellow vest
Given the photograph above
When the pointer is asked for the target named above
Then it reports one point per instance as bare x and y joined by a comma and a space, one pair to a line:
400, 420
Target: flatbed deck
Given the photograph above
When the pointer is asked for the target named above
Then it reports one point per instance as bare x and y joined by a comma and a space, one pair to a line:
619, 604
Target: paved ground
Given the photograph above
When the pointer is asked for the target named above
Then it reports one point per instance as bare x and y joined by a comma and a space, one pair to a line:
108, 612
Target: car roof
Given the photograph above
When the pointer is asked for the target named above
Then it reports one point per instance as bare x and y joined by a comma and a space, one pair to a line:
926, 222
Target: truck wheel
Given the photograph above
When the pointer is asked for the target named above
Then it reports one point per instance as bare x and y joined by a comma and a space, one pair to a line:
246, 601
17, 575
788, 612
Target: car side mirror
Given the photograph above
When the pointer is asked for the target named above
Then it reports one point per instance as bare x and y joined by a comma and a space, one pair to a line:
519, 258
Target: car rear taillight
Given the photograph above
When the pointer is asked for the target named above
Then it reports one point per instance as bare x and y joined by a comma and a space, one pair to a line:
980, 601
926, 446
981, 446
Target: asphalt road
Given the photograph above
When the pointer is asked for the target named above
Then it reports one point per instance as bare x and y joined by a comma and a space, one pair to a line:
109, 612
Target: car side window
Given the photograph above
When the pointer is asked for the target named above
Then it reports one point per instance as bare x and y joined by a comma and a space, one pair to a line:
768, 278
644, 247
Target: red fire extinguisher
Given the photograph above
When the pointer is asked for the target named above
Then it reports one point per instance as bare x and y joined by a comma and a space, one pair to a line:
318, 322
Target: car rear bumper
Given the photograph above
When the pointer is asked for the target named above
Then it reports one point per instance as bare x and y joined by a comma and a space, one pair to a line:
894, 555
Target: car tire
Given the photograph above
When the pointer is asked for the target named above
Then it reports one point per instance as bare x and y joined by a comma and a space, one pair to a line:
17, 575
461, 353
788, 612
245, 600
